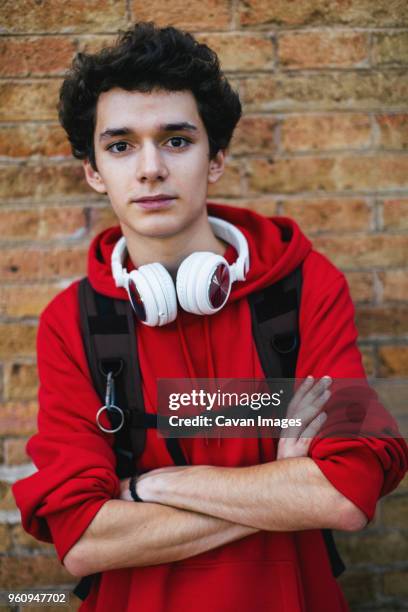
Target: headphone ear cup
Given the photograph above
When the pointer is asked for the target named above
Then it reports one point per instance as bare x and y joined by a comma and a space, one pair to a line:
156, 290
194, 280
184, 286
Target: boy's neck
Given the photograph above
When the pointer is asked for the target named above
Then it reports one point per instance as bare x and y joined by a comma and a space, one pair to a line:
172, 250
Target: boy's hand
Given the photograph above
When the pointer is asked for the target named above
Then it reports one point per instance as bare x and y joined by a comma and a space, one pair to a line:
306, 404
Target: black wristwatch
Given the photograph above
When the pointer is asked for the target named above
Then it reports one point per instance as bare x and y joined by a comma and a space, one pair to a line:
132, 489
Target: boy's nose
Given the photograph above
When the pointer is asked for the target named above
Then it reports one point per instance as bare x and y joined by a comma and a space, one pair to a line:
151, 164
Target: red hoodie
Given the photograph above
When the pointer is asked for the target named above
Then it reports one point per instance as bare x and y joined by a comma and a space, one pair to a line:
267, 571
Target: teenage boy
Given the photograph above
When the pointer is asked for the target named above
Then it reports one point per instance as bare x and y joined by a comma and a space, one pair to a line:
239, 528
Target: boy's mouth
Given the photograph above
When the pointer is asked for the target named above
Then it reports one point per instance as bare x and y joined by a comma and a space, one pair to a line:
155, 202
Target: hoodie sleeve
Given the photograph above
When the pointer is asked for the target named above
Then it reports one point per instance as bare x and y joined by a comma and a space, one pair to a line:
75, 461
363, 469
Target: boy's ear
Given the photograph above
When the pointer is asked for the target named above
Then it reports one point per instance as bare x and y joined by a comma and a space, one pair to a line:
216, 167
93, 177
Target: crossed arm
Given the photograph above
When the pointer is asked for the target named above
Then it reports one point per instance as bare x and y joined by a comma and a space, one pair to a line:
190, 510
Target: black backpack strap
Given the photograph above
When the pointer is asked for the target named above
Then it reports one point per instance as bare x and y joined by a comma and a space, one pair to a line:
84, 586
274, 312
109, 335
336, 561
275, 327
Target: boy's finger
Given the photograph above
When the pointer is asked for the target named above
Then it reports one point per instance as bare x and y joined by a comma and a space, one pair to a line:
317, 390
314, 427
299, 394
307, 412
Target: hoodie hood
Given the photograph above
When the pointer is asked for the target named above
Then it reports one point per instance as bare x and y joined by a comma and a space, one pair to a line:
276, 247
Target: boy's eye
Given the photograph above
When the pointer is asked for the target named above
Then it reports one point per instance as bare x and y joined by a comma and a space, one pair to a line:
177, 140
177, 143
120, 147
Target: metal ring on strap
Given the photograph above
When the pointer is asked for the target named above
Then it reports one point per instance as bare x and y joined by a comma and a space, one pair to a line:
100, 411
278, 347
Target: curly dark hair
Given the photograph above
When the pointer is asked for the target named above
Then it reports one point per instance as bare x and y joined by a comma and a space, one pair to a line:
144, 58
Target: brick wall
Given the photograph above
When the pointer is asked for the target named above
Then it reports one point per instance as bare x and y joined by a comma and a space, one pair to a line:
324, 139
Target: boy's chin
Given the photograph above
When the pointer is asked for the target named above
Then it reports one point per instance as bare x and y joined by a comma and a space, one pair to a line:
155, 228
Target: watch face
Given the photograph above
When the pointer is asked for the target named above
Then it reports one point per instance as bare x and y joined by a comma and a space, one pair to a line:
219, 286
136, 301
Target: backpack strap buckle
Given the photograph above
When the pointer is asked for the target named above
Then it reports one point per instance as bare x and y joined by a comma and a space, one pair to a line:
111, 408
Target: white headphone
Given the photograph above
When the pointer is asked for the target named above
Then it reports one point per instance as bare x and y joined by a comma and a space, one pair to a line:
203, 280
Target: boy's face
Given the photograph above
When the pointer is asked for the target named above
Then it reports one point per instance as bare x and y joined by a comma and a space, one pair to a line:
149, 144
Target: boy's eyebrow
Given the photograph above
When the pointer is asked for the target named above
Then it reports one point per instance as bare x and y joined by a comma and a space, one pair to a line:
164, 127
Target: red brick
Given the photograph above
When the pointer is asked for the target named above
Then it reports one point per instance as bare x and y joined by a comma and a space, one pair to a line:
23, 540
328, 214
63, 222
14, 450
346, 90
241, 51
366, 547
368, 357
395, 214
380, 321
290, 175
264, 206
361, 286
403, 485
27, 300
396, 584
254, 135
29, 100
393, 360
35, 56
393, 397
17, 339
328, 174
18, 223
5, 538
28, 139
67, 262
43, 182
393, 131
50, 264
32, 571
94, 43
321, 12
364, 251
18, 264
301, 50
325, 132
49, 16
21, 381
18, 419
41, 222
192, 16
394, 284
359, 586
370, 173
394, 511
7, 502
390, 48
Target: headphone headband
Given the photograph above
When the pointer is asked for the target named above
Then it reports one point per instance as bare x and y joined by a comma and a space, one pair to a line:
222, 229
